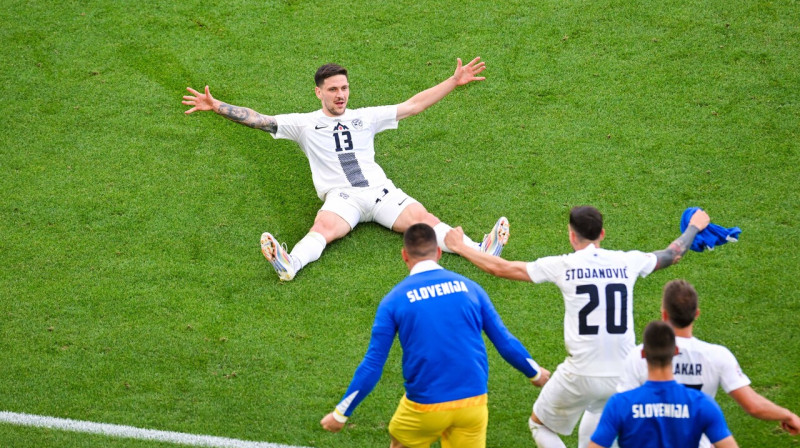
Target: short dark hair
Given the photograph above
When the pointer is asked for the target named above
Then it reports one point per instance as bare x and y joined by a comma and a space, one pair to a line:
679, 300
586, 221
419, 240
326, 71
659, 343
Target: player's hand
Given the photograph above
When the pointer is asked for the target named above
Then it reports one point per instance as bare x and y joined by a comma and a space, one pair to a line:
791, 425
200, 101
467, 73
543, 378
454, 240
700, 219
331, 424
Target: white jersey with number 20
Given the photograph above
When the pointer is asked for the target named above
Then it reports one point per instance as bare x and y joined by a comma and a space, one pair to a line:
597, 286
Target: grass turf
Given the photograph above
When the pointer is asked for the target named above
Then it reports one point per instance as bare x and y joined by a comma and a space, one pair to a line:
132, 290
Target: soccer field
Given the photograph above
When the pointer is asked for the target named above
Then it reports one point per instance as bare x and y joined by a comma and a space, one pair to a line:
132, 288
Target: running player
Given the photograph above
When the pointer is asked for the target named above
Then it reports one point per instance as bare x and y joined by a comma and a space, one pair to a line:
597, 286
439, 317
661, 413
701, 365
339, 145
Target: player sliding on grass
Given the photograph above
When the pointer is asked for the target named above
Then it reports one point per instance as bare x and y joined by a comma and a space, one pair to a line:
339, 144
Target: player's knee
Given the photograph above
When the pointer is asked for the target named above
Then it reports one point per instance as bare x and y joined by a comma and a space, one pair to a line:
420, 215
331, 227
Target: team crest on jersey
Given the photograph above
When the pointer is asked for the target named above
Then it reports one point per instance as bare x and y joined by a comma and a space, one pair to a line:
343, 194
357, 123
340, 127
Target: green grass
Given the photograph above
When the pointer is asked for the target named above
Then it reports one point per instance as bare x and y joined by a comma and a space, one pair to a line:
132, 290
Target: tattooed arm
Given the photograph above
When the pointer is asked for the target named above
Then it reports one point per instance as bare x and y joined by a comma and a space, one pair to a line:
673, 253
248, 117
243, 115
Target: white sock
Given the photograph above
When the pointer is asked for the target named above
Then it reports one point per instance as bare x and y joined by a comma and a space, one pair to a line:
544, 437
589, 423
307, 250
441, 230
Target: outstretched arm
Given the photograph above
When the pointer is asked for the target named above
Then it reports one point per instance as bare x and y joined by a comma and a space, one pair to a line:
243, 115
676, 249
368, 372
464, 74
509, 347
499, 267
761, 408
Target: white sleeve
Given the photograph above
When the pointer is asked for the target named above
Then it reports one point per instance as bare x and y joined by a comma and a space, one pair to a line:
643, 262
730, 374
290, 126
542, 270
634, 371
383, 117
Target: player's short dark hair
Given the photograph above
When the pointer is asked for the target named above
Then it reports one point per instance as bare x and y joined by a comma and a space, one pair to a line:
659, 343
419, 240
679, 300
586, 221
326, 71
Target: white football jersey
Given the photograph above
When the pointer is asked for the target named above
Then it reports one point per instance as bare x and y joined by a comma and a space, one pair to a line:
597, 286
698, 365
340, 150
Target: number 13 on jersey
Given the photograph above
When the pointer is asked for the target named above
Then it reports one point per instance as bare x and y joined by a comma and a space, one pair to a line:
345, 140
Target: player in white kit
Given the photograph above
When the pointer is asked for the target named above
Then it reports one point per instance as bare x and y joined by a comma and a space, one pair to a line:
339, 145
701, 365
597, 286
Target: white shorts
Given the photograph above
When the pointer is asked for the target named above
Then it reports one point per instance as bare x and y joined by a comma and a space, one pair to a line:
382, 204
566, 396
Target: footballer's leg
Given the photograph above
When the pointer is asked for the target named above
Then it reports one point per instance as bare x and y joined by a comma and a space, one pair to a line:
588, 424
328, 226
603, 388
416, 213
494, 241
398, 211
278, 256
543, 436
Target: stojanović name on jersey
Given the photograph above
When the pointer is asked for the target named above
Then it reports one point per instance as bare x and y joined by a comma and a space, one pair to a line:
653, 410
439, 289
590, 273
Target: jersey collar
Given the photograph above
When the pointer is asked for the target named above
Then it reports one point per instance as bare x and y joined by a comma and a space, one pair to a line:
425, 266
589, 248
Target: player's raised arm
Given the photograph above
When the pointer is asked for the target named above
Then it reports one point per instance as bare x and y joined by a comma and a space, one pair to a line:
464, 74
676, 249
248, 117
